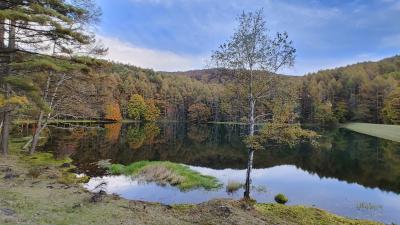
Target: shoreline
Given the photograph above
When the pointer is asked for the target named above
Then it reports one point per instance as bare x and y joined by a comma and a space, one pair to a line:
40, 190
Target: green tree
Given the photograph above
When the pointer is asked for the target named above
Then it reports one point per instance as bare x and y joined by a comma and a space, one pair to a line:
63, 25
341, 111
137, 107
324, 115
152, 112
391, 110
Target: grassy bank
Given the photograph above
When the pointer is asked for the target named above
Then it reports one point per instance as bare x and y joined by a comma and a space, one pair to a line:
174, 174
45, 197
389, 132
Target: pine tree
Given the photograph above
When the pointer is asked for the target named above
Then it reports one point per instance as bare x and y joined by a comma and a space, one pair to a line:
61, 24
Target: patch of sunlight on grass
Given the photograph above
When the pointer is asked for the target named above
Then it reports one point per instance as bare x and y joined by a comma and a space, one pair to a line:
389, 132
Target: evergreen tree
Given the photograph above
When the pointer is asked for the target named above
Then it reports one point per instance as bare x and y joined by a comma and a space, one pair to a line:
63, 25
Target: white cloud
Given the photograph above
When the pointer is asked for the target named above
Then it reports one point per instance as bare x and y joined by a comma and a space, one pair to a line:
125, 52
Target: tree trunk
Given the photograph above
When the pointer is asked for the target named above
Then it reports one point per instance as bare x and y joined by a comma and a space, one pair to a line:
5, 132
39, 126
252, 104
248, 173
36, 136
2, 32
7, 112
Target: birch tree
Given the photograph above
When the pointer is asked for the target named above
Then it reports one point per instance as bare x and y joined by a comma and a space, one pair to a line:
255, 56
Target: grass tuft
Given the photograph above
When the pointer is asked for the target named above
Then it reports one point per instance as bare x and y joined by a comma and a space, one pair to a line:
304, 215
233, 186
164, 172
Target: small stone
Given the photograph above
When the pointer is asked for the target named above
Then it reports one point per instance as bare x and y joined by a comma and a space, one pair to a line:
35, 182
10, 175
6, 170
65, 165
78, 205
97, 197
224, 211
52, 176
246, 207
7, 212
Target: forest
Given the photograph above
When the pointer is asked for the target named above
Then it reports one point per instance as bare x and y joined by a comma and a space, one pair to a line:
364, 92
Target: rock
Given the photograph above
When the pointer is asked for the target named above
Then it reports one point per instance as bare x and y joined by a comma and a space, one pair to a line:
246, 207
35, 182
7, 212
77, 205
6, 170
50, 186
10, 175
223, 211
65, 165
167, 206
52, 176
97, 197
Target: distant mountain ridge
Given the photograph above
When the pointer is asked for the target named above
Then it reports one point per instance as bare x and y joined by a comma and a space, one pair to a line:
208, 75
212, 75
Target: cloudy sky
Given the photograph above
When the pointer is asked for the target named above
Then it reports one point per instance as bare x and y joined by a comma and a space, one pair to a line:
177, 35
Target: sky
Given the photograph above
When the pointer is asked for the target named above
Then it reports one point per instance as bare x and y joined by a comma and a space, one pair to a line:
180, 35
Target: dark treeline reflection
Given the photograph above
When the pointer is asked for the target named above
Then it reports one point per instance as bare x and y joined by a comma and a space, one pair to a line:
341, 154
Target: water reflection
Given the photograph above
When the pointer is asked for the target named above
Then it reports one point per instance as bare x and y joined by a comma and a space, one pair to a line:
300, 186
342, 154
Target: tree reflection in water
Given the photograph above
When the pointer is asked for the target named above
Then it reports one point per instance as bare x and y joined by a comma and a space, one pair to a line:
342, 154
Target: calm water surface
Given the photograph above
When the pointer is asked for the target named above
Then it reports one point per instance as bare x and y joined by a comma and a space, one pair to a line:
348, 174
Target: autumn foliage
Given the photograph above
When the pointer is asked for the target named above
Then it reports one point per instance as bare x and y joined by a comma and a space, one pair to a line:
199, 113
140, 109
113, 112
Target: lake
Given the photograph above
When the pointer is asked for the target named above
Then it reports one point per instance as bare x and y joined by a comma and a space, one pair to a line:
347, 173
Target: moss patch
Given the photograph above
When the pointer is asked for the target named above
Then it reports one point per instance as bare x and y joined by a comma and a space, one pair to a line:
162, 172
44, 159
281, 199
304, 216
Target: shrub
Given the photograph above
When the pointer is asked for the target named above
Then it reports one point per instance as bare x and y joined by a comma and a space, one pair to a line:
281, 198
34, 172
233, 186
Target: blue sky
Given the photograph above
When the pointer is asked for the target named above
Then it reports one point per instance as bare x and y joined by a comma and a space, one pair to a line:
174, 35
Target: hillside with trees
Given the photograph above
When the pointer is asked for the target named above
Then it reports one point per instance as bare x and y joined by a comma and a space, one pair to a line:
363, 92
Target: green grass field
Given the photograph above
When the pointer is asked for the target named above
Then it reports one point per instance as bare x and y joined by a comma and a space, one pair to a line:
389, 132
